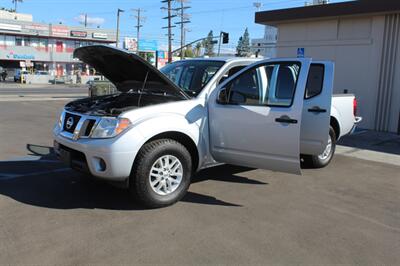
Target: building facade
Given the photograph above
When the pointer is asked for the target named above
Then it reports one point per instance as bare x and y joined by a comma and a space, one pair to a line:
25, 44
362, 38
266, 46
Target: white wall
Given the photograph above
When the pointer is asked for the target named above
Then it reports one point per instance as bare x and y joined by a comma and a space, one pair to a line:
353, 43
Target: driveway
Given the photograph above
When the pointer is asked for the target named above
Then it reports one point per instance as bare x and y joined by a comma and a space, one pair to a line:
347, 213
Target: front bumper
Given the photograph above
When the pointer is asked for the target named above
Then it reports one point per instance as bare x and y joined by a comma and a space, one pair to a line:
111, 159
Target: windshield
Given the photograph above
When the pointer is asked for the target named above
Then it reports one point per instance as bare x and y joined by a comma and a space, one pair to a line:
192, 75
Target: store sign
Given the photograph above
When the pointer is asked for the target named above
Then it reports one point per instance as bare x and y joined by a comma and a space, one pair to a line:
36, 27
148, 45
10, 27
78, 33
21, 56
130, 44
162, 54
162, 58
99, 35
59, 31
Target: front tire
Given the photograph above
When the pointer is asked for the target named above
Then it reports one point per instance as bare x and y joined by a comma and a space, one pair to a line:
161, 173
323, 159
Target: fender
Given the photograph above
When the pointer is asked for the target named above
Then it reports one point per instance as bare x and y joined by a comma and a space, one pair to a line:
157, 124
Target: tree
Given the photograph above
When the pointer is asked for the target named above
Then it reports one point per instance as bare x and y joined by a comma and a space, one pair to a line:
246, 43
243, 46
197, 49
189, 52
239, 47
15, 3
209, 45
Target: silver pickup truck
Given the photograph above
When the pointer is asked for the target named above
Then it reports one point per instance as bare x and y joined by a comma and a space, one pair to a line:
161, 127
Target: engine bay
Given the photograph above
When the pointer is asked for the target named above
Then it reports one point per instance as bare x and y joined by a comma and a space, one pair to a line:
115, 104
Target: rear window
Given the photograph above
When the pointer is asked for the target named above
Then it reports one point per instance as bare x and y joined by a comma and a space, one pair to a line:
192, 75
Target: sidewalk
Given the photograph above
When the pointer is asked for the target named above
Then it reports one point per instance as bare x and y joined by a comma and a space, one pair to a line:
9, 85
371, 145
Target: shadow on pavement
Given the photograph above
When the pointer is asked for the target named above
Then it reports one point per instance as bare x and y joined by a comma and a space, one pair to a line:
372, 140
43, 181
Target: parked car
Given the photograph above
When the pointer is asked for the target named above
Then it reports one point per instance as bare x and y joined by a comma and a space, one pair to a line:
41, 73
164, 126
18, 74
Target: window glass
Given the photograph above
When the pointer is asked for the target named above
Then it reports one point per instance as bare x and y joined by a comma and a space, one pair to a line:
44, 43
245, 89
192, 75
27, 41
272, 85
315, 80
18, 41
230, 73
282, 87
35, 42
10, 40
186, 77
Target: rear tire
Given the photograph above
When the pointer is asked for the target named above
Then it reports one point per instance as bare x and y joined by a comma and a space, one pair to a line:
323, 160
161, 174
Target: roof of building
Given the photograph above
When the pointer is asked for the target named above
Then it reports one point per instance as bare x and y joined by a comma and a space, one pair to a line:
328, 10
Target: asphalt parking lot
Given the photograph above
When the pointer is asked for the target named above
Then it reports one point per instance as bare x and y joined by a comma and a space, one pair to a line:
347, 213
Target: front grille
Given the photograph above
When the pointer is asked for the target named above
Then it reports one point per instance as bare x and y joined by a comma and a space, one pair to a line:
70, 122
88, 127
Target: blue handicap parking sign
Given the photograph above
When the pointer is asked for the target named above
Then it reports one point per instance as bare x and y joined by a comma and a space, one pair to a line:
300, 52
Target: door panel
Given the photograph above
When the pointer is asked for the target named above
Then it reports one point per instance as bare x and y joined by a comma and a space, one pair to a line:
258, 125
317, 108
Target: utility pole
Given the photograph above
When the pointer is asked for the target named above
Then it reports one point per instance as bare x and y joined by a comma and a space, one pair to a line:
184, 20
117, 38
169, 27
139, 19
85, 20
15, 3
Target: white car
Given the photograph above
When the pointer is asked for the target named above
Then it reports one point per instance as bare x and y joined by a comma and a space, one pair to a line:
163, 127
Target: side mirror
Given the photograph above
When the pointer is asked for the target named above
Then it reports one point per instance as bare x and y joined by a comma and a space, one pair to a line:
222, 96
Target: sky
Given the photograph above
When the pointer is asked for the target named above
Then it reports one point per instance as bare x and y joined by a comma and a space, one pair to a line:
231, 16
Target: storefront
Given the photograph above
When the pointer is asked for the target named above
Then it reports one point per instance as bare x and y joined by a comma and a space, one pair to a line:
33, 46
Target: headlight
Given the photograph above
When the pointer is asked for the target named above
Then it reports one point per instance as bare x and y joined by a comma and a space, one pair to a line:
109, 127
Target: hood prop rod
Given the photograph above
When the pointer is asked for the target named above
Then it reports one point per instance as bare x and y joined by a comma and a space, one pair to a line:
144, 85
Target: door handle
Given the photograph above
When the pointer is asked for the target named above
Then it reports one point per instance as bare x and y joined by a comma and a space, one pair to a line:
286, 119
317, 109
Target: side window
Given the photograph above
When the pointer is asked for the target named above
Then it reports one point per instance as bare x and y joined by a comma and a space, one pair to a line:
230, 73
245, 89
315, 80
271, 85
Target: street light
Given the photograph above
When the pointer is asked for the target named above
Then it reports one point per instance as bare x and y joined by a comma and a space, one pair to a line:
117, 37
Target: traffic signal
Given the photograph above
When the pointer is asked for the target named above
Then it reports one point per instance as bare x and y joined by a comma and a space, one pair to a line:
225, 37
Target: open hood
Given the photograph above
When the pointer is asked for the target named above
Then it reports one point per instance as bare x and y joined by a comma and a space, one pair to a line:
127, 71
